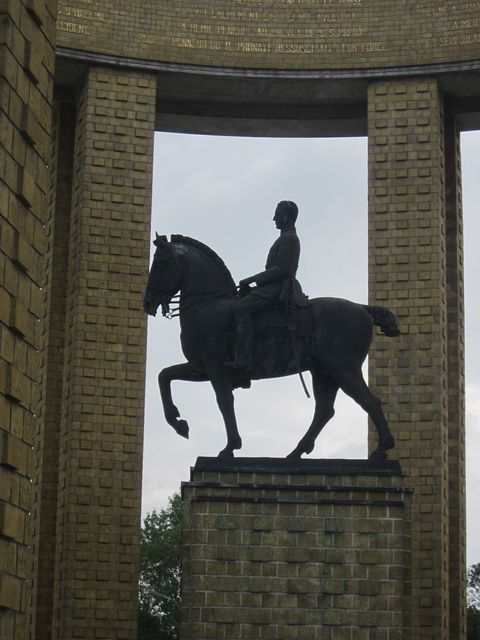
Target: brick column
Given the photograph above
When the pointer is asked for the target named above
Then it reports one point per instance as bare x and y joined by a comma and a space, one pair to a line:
415, 271
47, 438
101, 431
27, 30
456, 382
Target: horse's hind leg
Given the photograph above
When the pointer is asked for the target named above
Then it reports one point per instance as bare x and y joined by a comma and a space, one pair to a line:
185, 372
353, 384
325, 392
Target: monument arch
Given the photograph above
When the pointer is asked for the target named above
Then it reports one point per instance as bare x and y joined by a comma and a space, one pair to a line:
76, 254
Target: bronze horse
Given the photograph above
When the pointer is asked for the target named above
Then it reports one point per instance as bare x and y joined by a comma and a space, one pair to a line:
341, 336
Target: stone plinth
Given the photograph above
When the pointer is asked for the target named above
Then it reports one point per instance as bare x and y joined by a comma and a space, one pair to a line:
317, 550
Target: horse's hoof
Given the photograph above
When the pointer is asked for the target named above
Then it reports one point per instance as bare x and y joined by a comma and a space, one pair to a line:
294, 456
226, 455
236, 443
181, 427
378, 454
389, 443
171, 414
300, 449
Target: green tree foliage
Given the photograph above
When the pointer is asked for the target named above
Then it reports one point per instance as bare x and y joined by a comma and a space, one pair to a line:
159, 585
473, 602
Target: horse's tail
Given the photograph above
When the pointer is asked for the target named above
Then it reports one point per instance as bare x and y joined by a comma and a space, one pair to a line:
385, 319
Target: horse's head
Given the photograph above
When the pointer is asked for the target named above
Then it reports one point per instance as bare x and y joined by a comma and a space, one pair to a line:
164, 279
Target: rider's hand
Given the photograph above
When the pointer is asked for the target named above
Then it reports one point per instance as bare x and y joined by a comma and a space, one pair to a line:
243, 289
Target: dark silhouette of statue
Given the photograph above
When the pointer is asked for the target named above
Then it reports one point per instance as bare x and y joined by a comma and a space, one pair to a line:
329, 337
276, 285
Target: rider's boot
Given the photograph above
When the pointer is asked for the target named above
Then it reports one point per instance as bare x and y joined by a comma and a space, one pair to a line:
244, 355
244, 343
244, 358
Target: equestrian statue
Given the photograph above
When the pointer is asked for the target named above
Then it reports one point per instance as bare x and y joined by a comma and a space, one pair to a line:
271, 330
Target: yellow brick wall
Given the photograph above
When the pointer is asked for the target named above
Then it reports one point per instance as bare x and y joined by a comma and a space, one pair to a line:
44, 512
73, 266
413, 273
27, 33
275, 34
456, 381
282, 555
101, 422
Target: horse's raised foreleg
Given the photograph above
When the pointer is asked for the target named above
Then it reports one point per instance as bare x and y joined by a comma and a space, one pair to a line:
353, 384
222, 385
325, 392
184, 372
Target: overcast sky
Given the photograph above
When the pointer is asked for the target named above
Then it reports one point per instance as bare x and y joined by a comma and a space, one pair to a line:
223, 191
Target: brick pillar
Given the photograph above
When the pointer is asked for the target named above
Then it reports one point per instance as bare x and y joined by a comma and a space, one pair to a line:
456, 382
415, 269
101, 429
27, 29
48, 433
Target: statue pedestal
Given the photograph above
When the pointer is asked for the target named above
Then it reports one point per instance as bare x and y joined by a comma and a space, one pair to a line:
317, 550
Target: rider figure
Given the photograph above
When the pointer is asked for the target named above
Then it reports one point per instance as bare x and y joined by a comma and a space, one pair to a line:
276, 285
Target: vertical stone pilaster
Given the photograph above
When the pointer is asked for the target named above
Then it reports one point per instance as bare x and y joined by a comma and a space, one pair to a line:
411, 273
101, 433
47, 447
456, 382
27, 40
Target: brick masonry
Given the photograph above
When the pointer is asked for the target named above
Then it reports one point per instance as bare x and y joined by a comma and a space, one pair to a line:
73, 258
284, 555
266, 34
416, 270
44, 512
101, 420
27, 40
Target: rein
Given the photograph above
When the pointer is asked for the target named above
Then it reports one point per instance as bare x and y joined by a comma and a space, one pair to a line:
210, 293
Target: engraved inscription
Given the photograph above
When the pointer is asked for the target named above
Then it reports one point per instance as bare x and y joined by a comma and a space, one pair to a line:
261, 47
85, 14
72, 27
455, 41
315, 32
336, 17
467, 23
286, 32
449, 8
106, 5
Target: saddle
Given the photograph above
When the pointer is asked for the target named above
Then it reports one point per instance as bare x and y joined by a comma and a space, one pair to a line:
281, 343
298, 320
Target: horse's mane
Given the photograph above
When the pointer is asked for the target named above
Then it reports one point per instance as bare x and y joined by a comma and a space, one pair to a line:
209, 252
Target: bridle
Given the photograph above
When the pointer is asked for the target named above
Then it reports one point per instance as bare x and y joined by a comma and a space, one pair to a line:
209, 294
184, 300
